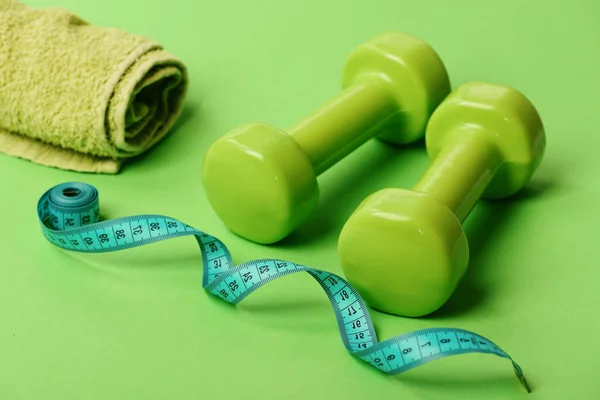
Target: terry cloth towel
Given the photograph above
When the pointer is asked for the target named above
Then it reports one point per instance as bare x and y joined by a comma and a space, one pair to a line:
80, 97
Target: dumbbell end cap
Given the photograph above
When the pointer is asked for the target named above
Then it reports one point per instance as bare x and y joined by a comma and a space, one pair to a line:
259, 182
404, 251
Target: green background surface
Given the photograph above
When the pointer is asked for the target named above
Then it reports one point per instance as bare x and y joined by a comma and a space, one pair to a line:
137, 324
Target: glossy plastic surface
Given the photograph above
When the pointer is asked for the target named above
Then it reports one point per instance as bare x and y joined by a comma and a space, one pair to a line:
259, 182
502, 117
406, 250
403, 251
417, 79
392, 83
461, 171
136, 325
345, 123
262, 191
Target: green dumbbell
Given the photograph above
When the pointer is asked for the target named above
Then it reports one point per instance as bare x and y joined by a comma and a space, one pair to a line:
262, 182
405, 251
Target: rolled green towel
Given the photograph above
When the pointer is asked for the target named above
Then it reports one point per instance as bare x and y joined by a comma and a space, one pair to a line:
80, 97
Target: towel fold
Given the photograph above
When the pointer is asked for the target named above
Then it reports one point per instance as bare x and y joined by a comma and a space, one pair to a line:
80, 97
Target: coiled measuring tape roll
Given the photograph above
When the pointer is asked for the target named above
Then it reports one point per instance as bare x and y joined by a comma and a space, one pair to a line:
69, 217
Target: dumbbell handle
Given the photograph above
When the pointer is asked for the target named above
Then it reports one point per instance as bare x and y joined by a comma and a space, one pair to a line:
345, 123
461, 171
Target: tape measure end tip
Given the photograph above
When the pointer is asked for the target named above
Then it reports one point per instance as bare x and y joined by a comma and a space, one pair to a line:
525, 383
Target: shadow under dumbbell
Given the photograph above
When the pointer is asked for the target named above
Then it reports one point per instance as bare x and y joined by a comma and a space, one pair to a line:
348, 183
485, 223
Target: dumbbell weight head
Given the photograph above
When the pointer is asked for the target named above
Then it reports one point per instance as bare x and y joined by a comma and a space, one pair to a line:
259, 182
510, 121
262, 182
405, 251
417, 77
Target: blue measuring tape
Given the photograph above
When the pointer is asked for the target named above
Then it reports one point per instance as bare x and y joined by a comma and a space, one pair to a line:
69, 215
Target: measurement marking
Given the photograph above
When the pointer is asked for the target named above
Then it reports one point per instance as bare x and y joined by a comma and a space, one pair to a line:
216, 256
276, 268
87, 246
354, 320
208, 243
351, 305
342, 288
112, 228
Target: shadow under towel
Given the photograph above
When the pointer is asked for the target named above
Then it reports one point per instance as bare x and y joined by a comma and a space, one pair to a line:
79, 97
